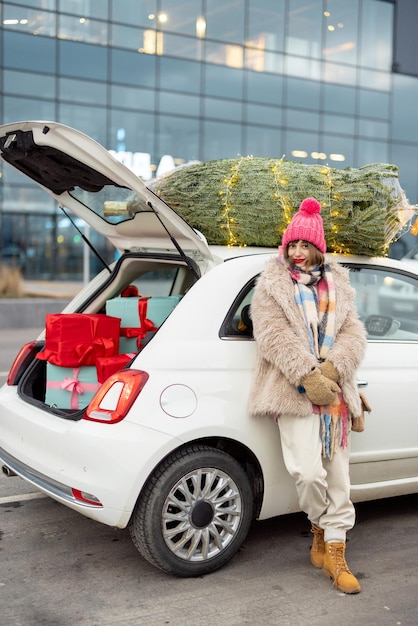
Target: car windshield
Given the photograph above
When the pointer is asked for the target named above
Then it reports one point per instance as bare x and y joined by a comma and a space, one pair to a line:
112, 203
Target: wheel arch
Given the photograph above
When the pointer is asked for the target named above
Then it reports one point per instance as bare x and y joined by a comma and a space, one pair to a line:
237, 450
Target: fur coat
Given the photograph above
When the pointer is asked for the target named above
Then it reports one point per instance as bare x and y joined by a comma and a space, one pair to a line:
283, 354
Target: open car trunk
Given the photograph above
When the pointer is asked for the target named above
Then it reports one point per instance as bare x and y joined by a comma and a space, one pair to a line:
162, 280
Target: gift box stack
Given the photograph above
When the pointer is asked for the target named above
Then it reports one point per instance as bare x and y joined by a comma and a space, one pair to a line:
82, 351
140, 318
74, 343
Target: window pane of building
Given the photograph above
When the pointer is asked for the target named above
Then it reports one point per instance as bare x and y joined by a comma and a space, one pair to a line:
338, 98
16, 109
302, 143
302, 119
341, 31
138, 128
376, 44
85, 91
221, 139
340, 74
343, 124
262, 114
373, 129
223, 109
42, 4
266, 24
183, 47
82, 29
82, 60
223, 81
29, 21
341, 146
178, 103
132, 98
302, 93
28, 83
86, 8
263, 61
374, 104
303, 67
178, 137
228, 54
372, 152
371, 79
265, 88
89, 120
132, 68
263, 142
179, 75
21, 195
406, 158
132, 38
28, 52
405, 110
134, 12
305, 23
225, 20
181, 17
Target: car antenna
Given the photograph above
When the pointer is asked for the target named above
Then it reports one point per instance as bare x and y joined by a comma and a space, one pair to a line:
179, 249
84, 238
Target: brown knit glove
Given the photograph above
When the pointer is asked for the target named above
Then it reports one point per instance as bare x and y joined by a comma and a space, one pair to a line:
329, 371
319, 389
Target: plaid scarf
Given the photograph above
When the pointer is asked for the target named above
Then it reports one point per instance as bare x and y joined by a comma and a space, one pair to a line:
315, 298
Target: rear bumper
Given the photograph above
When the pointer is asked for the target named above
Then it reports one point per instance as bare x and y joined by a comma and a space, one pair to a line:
57, 456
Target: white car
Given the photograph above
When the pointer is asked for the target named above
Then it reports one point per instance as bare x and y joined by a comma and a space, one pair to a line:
166, 445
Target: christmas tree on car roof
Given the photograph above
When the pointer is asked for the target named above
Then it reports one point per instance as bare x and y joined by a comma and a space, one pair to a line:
249, 201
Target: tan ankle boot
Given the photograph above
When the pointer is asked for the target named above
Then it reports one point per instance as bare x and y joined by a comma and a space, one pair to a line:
336, 568
318, 546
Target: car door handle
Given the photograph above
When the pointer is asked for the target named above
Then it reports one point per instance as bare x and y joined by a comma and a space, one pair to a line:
362, 383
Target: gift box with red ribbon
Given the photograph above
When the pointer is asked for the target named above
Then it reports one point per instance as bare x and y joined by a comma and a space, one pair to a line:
140, 317
106, 366
70, 387
78, 339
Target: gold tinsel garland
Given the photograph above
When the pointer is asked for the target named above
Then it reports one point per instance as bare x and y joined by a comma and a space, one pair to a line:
249, 201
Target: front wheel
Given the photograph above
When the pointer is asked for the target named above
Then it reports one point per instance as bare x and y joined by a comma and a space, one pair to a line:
194, 512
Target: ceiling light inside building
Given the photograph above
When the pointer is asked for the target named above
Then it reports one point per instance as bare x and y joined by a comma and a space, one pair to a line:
200, 27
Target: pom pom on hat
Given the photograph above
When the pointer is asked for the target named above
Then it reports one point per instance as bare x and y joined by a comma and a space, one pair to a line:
309, 206
306, 224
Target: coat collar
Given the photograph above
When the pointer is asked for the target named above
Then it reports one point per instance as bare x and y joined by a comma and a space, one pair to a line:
279, 286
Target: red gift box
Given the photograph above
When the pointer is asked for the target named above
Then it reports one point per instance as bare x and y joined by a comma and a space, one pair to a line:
106, 366
76, 339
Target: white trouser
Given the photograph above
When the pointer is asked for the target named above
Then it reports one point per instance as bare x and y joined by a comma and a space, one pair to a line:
323, 485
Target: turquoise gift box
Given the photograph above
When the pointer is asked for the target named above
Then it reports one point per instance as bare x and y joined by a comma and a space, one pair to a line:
70, 387
158, 308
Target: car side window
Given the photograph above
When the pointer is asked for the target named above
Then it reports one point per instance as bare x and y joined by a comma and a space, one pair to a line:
238, 324
387, 303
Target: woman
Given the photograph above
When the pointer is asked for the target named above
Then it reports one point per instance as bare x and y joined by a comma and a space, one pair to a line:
310, 343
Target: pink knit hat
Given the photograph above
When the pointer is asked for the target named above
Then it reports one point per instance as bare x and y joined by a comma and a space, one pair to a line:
306, 224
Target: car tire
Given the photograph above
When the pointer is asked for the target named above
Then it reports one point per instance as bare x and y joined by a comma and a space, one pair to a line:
194, 512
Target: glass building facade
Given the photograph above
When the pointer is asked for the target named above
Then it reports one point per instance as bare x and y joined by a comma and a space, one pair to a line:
326, 81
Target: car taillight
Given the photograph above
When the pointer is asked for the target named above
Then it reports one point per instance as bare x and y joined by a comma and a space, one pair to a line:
23, 359
115, 397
